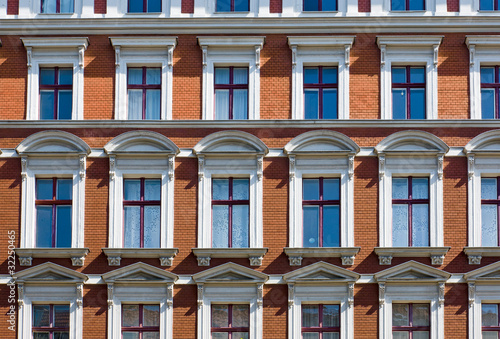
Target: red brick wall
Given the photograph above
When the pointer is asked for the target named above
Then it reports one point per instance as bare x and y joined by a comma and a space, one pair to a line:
364, 6
100, 6
187, 6
12, 7
453, 5
276, 6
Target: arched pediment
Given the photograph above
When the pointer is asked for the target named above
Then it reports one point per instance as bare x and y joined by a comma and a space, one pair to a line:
230, 142
411, 141
53, 142
49, 273
321, 142
141, 142
139, 273
230, 273
412, 272
322, 273
487, 142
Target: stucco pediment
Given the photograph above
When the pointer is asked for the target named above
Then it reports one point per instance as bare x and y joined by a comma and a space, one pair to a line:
139, 273
487, 142
49, 273
230, 142
321, 142
321, 272
412, 272
232, 273
489, 273
406, 142
53, 142
141, 142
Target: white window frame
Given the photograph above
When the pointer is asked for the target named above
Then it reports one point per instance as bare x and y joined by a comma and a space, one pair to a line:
409, 50
241, 51
52, 52
320, 51
143, 52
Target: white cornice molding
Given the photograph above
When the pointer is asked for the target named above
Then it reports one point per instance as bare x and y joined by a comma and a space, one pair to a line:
483, 40
231, 41
321, 41
409, 40
59, 42
143, 41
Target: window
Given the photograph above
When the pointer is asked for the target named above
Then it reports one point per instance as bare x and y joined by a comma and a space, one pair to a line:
320, 92
490, 321
488, 5
232, 6
56, 93
144, 87
141, 212
230, 321
53, 212
410, 211
320, 321
490, 86
144, 6
230, 212
50, 321
490, 205
140, 321
321, 212
57, 6
410, 321
231, 93
408, 92
408, 5
320, 5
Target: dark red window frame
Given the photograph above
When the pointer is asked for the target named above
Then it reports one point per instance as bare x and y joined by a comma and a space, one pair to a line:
410, 201
144, 7
55, 87
54, 203
320, 86
51, 329
495, 86
495, 202
230, 329
141, 203
231, 86
144, 86
320, 328
493, 328
141, 328
407, 86
412, 328
58, 6
322, 203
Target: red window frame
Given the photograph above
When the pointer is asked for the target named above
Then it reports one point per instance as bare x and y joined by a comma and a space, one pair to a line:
230, 329
495, 86
494, 202
410, 329
320, 329
51, 329
407, 86
141, 203
141, 328
231, 86
320, 86
322, 203
410, 201
492, 328
55, 87
144, 87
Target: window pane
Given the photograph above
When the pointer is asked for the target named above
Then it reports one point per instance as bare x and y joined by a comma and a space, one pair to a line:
61, 316
240, 316
489, 225
400, 335
132, 222
311, 74
240, 75
399, 188
490, 335
310, 189
310, 315
61, 335
310, 335
240, 189
151, 226
329, 5
135, 74
417, 5
331, 189
220, 189
240, 217
63, 226
241, 5
132, 189
331, 226
311, 226
240, 104
220, 335
311, 104
420, 188
64, 105
220, 226
153, 75
64, 189
66, 6
330, 104
153, 104
47, 75
329, 73
43, 226
487, 103
66, 74
399, 103
221, 74
417, 103
400, 225
151, 335
49, 6
135, 104
223, 6
489, 188
154, 6
417, 74
130, 315
486, 5
400, 315
135, 6
130, 335
151, 315
240, 335
220, 316
331, 335
41, 315
44, 188
488, 75
46, 105
421, 315
221, 104
420, 225
331, 316
152, 189
41, 335
398, 73
420, 335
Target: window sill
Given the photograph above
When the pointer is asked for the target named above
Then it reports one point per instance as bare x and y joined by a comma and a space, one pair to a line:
385, 254
26, 255
115, 255
475, 254
255, 255
296, 254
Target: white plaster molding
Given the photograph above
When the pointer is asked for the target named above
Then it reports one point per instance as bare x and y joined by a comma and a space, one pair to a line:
77, 255
347, 254
255, 255
165, 255
475, 254
436, 254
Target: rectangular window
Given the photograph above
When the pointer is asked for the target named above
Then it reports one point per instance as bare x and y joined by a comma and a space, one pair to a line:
231, 93
488, 5
490, 207
230, 321
50, 322
407, 5
144, 93
411, 321
53, 212
490, 319
233, 5
144, 6
320, 92
56, 93
57, 6
408, 92
140, 321
410, 212
490, 86
320, 321
141, 213
230, 213
320, 5
321, 212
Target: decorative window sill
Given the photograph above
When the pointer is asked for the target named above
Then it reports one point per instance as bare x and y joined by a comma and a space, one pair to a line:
115, 255
255, 255
296, 254
475, 254
26, 255
385, 254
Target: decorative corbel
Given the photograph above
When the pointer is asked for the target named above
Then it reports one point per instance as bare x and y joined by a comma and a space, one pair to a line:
472, 55
117, 56
110, 295
112, 167
291, 173
294, 56
260, 295
79, 295
351, 295
440, 161
170, 54
441, 294
382, 56
201, 165
257, 57
347, 52
20, 294
200, 295
24, 168
472, 293
381, 166
381, 294
435, 54
83, 166
260, 167
171, 167
291, 294
204, 52
470, 165
29, 53
170, 295
81, 56
351, 166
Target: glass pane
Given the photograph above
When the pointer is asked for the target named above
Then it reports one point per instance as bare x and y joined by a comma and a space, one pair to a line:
240, 75
41, 335
135, 6
153, 104
132, 222
66, 6
41, 315
420, 188
310, 189
311, 103
329, 5
239, 335
331, 226
417, 5
240, 104
240, 189
329, 73
135, 74
487, 103
330, 104
61, 316
240, 216
130, 315
400, 315
64, 105
220, 335
152, 189
221, 74
486, 5
490, 335
47, 75
44, 189
64, 189
311, 74
221, 104
43, 226
240, 316
135, 104
153, 75
152, 226
151, 315
220, 226
488, 75
241, 5
331, 189
130, 335
417, 103
311, 226
331, 316
311, 5
400, 335
46, 105
132, 189
63, 226
420, 335
220, 189
66, 74
417, 74
420, 225
151, 335
223, 6
310, 335
421, 315
399, 103
398, 73
489, 225
310, 315
154, 6
399, 225
489, 188
61, 335
49, 6
399, 188
220, 316
331, 335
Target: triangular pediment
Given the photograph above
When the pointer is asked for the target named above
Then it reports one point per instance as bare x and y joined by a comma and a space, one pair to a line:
489, 273
412, 142
228, 142
141, 142
321, 142
413, 272
49, 273
487, 142
53, 142
321, 272
139, 273
232, 273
